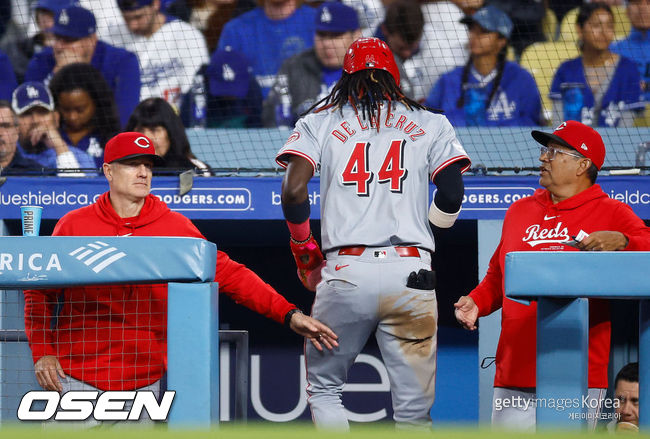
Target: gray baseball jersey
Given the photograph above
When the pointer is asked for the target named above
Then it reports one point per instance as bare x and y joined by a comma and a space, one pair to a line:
374, 185
374, 203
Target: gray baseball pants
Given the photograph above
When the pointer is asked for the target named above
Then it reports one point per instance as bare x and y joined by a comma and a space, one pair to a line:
359, 295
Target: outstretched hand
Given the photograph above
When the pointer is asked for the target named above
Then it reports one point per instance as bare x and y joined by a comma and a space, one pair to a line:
318, 333
466, 312
48, 370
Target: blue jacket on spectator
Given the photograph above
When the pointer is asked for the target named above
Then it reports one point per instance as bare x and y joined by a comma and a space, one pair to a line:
623, 93
47, 158
7, 77
91, 144
516, 103
23, 165
636, 47
267, 43
119, 67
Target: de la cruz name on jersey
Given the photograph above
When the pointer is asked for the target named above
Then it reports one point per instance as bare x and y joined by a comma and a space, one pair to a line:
403, 123
379, 168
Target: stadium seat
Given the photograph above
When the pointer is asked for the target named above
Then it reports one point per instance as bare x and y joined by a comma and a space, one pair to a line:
549, 25
622, 24
568, 31
542, 60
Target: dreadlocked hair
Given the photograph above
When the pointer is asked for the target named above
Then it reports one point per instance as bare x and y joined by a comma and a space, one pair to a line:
365, 90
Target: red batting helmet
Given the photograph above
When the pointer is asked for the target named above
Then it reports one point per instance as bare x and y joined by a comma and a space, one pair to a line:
370, 53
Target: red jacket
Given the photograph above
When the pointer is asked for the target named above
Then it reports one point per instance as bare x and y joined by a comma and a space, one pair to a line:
536, 224
114, 337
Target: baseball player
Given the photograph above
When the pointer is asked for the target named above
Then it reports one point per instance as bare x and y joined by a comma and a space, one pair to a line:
376, 151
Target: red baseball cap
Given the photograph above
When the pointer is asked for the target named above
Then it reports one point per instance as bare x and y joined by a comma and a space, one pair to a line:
578, 136
129, 145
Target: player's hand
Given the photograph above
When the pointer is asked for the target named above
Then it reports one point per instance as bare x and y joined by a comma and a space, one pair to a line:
318, 333
603, 241
64, 58
466, 312
309, 261
48, 370
627, 427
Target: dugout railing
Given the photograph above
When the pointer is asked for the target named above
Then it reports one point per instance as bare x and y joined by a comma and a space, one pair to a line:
186, 264
563, 322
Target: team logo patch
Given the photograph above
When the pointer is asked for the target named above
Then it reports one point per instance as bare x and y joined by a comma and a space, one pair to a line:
63, 18
32, 93
142, 142
583, 146
293, 137
370, 61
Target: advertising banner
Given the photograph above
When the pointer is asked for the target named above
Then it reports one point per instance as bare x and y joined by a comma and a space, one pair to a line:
258, 198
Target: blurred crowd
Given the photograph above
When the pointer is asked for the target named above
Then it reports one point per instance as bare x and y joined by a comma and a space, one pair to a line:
73, 73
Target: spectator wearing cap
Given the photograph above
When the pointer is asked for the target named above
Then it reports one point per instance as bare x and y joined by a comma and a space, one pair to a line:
11, 158
598, 88
38, 131
268, 35
75, 41
19, 49
488, 90
170, 51
308, 77
569, 204
225, 95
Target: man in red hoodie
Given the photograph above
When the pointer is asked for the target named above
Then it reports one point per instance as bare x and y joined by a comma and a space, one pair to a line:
571, 205
114, 337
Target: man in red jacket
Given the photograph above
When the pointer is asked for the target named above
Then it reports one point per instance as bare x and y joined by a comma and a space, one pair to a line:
114, 337
571, 205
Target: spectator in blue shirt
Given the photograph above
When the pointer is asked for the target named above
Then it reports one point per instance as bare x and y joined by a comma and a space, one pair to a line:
11, 159
268, 35
7, 77
599, 88
225, 94
38, 131
21, 49
87, 108
75, 41
636, 46
488, 90
309, 76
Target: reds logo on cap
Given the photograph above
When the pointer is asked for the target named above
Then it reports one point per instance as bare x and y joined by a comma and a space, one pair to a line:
578, 136
130, 145
142, 142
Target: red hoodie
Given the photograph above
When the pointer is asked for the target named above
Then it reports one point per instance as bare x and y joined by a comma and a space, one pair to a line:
536, 224
114, 337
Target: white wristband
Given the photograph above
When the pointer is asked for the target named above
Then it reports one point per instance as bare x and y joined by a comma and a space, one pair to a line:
442, 219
